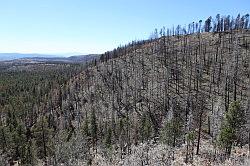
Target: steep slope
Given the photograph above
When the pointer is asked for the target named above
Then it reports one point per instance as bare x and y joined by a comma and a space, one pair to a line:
186, 81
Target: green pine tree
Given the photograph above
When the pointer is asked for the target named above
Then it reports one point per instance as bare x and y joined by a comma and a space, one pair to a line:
43, 138
108, 138
146, 128
93, 129
86, 128
232, 123
171, 132
30, 155
3, 138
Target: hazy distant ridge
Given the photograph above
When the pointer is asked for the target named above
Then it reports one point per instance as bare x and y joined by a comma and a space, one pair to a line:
11, 56
45, 58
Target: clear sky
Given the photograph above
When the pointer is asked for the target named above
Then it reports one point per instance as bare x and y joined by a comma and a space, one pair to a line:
95, 26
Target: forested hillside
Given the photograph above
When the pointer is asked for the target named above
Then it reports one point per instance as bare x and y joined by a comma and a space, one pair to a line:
25, 93
181, 97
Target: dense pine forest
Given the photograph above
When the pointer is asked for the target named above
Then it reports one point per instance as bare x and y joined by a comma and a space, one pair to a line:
181, 97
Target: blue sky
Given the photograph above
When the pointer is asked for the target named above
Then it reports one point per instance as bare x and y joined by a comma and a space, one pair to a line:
92, 26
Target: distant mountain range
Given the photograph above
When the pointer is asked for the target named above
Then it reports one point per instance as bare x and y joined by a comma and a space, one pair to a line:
28, 58
12, 56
